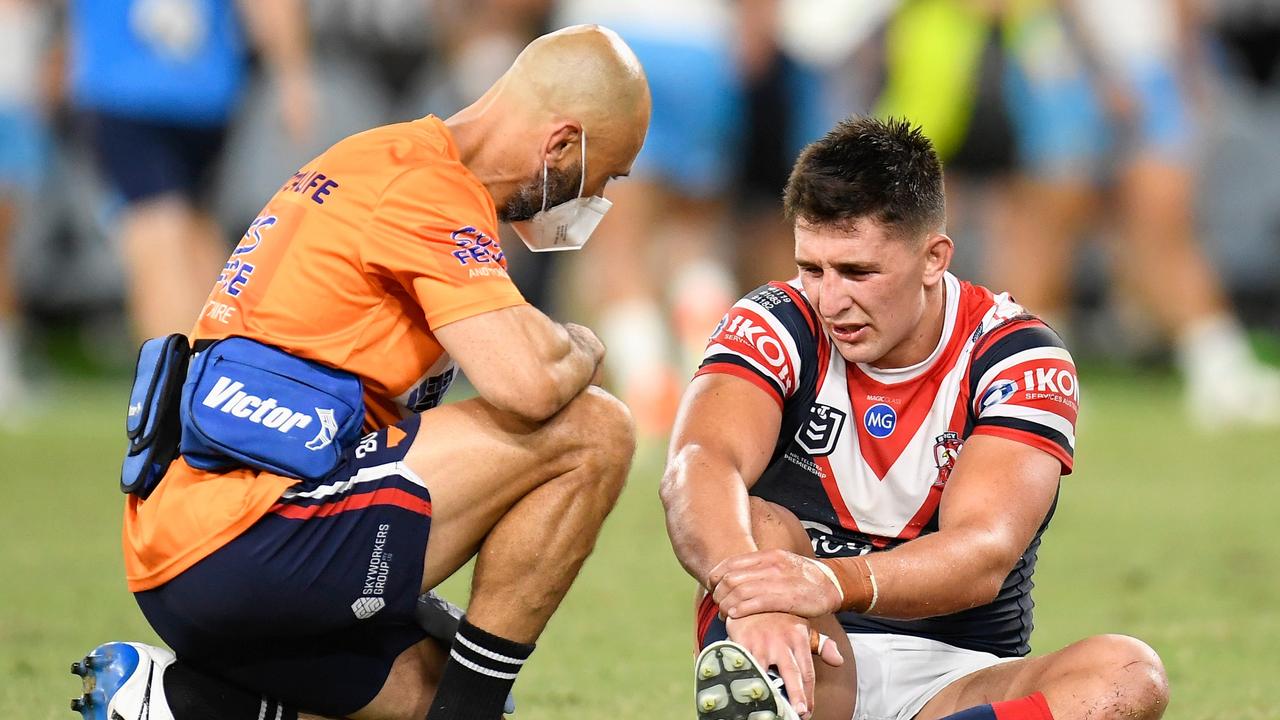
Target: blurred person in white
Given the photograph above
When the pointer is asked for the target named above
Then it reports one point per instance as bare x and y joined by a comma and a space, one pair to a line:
657, 267
1116, 103
155, 84
1138, 54
24, 30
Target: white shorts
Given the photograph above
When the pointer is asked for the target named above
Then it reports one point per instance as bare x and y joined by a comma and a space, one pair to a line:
899, 674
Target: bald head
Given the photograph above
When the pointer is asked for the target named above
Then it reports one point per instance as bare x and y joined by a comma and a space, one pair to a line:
585, 72
578, 85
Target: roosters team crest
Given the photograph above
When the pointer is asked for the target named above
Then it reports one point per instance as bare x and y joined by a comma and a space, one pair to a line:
946, 448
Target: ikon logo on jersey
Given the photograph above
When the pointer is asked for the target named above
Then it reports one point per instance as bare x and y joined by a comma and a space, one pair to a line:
1056, 383
818, 434
753, 332
880, 420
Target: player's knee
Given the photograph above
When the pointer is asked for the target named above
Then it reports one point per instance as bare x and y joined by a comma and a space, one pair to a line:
773, 526
598, 428
1135, 671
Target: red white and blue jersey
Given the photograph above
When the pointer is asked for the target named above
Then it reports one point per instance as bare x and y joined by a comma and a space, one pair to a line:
864, 454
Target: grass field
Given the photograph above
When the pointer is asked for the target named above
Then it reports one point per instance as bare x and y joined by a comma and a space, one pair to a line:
1161, 533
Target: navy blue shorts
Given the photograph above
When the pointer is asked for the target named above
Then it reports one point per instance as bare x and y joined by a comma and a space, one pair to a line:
143, 159
313, 603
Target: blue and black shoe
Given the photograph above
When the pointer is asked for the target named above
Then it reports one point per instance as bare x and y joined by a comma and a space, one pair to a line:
123, 681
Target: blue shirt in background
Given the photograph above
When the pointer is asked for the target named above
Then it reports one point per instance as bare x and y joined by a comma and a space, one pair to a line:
179, 61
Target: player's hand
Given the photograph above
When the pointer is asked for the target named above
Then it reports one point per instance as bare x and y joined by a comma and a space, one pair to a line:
783, 641
773, 581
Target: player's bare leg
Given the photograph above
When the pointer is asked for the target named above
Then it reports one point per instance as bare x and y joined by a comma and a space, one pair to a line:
1158, 248
1036, 225
774, 527
1105, 677
10, 384
171, 259
528, 500
1158, 251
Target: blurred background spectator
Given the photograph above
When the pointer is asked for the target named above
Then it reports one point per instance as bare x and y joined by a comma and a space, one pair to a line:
24, 96
1062, 121
154, 85
1077, 116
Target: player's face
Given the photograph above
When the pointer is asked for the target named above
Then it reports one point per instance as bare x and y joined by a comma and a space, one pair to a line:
870, 288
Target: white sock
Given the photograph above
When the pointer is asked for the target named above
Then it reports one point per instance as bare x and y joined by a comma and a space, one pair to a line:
701, 293
636, 339
1213, 349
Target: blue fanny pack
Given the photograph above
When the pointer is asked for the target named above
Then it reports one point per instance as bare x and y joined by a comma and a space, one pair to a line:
246, 403
152, 421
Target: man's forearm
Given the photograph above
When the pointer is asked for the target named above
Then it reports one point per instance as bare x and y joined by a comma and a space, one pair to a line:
709, 519
936, 574
574, 363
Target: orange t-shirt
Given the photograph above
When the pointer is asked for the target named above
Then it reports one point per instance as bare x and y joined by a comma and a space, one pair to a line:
352, 263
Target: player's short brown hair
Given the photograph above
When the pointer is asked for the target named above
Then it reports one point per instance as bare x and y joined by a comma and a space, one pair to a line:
883, 170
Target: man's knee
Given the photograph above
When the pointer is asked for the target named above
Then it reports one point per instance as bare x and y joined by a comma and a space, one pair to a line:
1134, 670
598, 428
773, 526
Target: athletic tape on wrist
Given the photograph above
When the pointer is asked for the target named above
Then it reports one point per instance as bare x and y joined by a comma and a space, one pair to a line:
861, 592
830, 576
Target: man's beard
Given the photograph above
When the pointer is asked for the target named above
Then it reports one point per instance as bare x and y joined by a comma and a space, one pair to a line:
562, 186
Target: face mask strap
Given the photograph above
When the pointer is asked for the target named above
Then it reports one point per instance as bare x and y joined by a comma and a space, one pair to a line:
544, 184
582, 184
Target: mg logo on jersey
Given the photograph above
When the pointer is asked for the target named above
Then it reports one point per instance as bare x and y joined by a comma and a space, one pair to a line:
879, 420
817, 434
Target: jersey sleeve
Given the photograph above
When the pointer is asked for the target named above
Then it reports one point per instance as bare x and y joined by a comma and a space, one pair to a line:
1024, 387
435, 235
766, 338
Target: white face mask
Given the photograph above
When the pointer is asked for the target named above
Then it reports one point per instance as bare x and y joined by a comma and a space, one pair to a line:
566, 226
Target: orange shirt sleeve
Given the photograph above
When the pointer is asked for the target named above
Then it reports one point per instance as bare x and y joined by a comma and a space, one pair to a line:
435, 234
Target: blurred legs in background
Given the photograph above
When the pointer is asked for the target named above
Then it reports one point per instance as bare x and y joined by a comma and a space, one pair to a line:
1096, 139
172, 252
172, 249
10, 382
1133, 124
656, 275
24, 29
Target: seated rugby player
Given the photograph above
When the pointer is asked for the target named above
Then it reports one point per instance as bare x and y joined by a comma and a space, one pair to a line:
285, 572
863, 467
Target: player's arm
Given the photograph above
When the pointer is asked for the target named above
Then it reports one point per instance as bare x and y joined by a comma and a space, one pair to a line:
1025, 400
997, 498
521, 361
723, 437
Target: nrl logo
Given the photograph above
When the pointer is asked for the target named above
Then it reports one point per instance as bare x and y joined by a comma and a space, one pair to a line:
818, 433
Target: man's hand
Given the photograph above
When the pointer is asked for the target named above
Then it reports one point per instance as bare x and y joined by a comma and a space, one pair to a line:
773, 581
585, 338
783, 642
